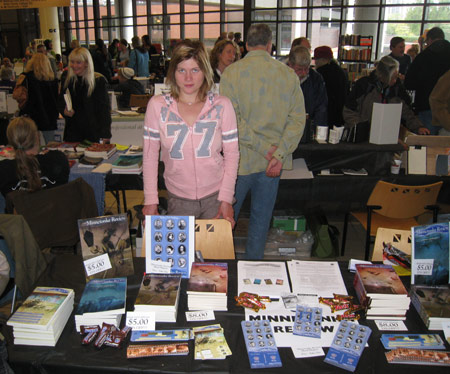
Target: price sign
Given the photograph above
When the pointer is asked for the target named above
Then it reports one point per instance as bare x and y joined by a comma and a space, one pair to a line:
97, 264
423, 266
391, 325
143, 321
203, 315
160, 267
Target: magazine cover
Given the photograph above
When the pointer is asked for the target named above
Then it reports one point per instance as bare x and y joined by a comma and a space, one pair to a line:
208, 277
107, 296
170, 239
430, 254
106, 246
159, 290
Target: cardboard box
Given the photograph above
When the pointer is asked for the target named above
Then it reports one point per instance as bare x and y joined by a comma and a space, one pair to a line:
290, 223
139, 101
435, 145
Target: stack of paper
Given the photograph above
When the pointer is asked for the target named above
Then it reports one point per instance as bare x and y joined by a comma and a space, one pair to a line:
103, 300
207, 286
40, 320
159, 293
127, 165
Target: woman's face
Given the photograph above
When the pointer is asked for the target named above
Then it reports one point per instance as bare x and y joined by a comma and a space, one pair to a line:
228, 56
78, 67
189, 77
393, 78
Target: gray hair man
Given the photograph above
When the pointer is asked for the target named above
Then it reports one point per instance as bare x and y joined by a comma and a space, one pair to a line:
270, 111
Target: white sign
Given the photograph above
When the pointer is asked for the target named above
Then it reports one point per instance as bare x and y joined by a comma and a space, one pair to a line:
97, 264
142, 321
203, 315
446, 329
423, 266
307, 352
160, 267
391, 326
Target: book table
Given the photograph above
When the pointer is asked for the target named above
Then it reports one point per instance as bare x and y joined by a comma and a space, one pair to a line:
69, 356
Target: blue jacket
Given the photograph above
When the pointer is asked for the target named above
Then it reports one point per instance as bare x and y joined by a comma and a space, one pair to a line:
316, 99
139, 63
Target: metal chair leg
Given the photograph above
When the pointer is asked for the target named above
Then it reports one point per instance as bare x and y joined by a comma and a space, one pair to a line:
344, 233
369, 223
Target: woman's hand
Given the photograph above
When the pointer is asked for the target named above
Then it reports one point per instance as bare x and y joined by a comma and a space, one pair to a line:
226, 211
69, 113
150, 210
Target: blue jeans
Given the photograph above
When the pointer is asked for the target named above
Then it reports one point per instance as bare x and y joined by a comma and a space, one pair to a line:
263, 191
425, 118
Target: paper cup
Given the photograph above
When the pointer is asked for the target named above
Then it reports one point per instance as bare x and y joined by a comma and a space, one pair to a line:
322, 133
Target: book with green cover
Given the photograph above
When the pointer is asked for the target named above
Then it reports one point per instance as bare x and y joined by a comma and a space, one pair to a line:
158, 291
41, 308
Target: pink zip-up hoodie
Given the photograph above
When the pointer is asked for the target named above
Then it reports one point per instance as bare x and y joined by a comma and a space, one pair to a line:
199, 160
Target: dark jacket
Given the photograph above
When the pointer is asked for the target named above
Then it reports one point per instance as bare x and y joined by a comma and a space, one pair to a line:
128, 88
41, 104
404, 62
367, 91
92, 118
316, 101
336, 83
102, 63
425, 71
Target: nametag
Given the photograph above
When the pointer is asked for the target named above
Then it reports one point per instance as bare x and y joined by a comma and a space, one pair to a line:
160, 267
203, 315
97, 264
142, 321
423, 266
391, 326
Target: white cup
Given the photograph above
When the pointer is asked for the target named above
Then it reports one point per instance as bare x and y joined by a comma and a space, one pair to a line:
321, 133
395, 167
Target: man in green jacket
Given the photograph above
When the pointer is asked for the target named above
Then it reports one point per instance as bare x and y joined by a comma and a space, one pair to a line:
270, 112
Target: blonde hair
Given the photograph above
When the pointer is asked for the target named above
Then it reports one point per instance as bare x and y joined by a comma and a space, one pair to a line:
82, 54
186, 50
218, 49
39, 64
23, 136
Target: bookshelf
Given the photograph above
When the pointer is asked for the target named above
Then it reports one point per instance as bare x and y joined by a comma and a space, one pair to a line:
355, 54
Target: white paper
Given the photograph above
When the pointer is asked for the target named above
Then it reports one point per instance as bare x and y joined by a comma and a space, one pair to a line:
97, 264
291, 300
385, 123
159, 267
263, 278
307, 352
161, 88
68, 100
299, 170
423, 266
352, 264
417, 160
203, 315
316, 277
141, 321
391, 325
446, 329
12, 104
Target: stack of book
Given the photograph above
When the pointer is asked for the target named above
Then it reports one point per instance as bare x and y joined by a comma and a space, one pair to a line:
40, 320
103, 300
127, 164
159, 293
208, 286
97, 150
431, 302
379, 287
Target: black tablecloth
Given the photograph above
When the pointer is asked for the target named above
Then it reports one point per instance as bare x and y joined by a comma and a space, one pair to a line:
69, 356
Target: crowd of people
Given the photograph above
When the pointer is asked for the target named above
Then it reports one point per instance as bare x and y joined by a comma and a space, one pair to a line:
216, 148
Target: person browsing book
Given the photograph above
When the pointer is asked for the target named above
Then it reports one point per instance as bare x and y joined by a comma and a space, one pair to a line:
196, 132
90, 115
30, 171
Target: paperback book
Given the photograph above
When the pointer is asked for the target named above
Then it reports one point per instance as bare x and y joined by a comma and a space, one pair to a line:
159, 293
127, 165
104, 151
103, 300
106, 246
430, 254
432, 303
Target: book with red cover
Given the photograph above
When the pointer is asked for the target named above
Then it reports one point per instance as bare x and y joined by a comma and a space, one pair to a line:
100, 150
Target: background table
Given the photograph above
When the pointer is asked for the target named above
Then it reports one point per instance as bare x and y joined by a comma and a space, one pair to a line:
69, 356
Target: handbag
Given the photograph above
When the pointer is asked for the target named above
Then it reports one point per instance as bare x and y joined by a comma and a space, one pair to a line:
20, 93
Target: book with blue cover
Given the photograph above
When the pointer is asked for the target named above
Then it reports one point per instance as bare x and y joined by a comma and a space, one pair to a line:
430, 260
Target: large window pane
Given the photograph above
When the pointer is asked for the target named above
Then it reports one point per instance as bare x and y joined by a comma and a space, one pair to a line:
287, 15
232, 4
404, 2
294, 3
156, 7
265, 3
212, 32
264, 15
408, 31
173, 6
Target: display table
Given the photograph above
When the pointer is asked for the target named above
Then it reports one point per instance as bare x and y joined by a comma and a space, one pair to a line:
69, 356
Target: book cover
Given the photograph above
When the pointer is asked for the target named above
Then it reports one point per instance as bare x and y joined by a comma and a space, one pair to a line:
380, 281
208, 277
126, 162
40, 308
431, 302
430, 254
135, 150
103, 296
159, 290
110, 236
100, 150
